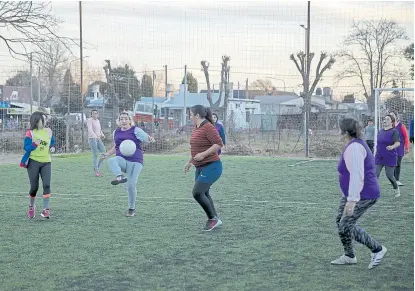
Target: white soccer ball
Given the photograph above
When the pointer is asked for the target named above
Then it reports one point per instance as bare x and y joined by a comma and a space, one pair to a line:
127, 148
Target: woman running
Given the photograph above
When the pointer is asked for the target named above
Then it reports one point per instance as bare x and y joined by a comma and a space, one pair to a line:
403, 147
386, 154
131, 165
360, 187
38, 144
220, 129
205, 143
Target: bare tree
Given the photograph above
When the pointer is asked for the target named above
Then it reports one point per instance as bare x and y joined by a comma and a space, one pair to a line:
409, 55
205, 69
52, 63
27, 26
224, 76
303, 66
369, 53
263, 84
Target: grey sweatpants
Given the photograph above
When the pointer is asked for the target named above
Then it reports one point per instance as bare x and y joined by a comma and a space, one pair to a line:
390, 174
349, 230
119, 165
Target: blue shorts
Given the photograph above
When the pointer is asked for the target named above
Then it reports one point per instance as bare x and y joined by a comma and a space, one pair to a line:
210, 173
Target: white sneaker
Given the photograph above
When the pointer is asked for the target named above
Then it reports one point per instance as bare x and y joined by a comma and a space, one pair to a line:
376, 258
397, 192
399, 183
345, 260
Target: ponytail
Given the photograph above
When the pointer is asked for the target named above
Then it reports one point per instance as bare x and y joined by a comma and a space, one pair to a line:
209, 115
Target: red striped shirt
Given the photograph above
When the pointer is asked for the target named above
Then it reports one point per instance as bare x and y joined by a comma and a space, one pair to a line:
202, 139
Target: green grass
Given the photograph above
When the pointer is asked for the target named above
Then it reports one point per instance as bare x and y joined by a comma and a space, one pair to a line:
278, 233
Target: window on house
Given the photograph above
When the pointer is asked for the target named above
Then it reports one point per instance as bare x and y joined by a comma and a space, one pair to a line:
238, 106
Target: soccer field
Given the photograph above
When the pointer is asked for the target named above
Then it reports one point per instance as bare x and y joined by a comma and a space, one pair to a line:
278, 230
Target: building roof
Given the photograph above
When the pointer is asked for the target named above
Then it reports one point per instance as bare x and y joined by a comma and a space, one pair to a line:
275, 100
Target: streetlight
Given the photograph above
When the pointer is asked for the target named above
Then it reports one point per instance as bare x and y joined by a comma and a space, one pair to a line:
68, 105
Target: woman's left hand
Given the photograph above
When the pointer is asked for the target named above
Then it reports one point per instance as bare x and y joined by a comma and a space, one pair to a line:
349, 208
151, 139
199, 157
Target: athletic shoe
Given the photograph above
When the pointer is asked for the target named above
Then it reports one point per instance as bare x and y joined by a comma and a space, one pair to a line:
131, 213
212, 223
345, 260
45, 213
397, 192
399, 183
376, 258
98, 174
31, 213
120, 179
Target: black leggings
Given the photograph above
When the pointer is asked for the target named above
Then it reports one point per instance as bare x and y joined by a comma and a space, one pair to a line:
36, 169
201, 194
398, 169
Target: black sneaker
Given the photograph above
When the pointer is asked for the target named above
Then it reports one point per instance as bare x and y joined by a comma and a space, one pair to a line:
212, 223
130, 213
119, 180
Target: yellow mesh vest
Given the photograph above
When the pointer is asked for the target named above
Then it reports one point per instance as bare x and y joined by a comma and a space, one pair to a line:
41, 153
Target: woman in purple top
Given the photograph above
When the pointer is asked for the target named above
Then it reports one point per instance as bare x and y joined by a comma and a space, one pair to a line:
386, 154
219, 129
360, 187
131, 165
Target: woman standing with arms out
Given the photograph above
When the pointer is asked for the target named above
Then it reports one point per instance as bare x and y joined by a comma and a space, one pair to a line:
220, 129
38, 144
386, 154
131, 165
205, 143
403, 147
360, 187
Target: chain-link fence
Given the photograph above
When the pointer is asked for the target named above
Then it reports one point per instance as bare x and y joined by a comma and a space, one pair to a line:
237, 60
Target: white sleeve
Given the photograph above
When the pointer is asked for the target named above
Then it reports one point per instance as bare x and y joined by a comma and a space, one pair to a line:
354, 157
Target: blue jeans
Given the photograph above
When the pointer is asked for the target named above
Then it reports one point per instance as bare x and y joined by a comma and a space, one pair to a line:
119, 165
96, 146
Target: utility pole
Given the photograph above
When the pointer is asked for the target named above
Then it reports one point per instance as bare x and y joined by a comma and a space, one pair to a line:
184, 96
166, 110
31, 82
82, 74
306, 93
38, 87
152, 110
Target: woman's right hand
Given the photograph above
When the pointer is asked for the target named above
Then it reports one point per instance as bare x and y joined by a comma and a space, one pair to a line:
389, 148
187, 167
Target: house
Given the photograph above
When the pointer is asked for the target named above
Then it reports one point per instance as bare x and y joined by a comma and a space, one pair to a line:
94, 96
239, 109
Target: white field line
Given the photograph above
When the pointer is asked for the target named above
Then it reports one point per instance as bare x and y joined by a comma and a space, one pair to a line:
177, 200
302, 162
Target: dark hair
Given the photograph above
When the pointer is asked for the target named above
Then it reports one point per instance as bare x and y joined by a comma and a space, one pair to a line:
393, 119
35, 118
93, 111
370, 120
351, 126
214, 114
204, 112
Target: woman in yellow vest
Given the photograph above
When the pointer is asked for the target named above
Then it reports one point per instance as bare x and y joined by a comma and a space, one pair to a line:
38, 144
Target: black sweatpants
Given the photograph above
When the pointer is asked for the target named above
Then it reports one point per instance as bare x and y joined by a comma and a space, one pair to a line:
370, 144
36, 169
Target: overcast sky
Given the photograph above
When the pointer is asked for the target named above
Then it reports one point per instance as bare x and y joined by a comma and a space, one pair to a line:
258, 35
